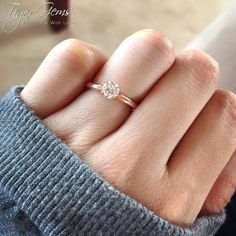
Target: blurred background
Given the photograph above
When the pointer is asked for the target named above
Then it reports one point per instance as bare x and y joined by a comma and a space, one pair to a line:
104, 23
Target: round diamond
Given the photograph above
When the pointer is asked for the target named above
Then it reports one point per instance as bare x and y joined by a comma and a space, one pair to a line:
110, 90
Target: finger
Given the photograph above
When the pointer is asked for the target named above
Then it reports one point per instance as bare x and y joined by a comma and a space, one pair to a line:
205, 150
222, 190
168, 110
62, 76
136, 66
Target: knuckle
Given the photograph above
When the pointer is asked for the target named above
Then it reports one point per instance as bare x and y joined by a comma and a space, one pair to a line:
155, 40
74, 52
226, 106
203, 68
220, 195
229, 184
69, 41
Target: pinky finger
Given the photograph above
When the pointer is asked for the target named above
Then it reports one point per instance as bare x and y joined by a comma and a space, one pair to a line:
222, 190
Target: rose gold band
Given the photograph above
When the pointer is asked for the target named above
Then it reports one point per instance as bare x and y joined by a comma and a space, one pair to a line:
120, 97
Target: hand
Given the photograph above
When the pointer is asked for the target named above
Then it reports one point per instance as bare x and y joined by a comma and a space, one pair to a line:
174, 152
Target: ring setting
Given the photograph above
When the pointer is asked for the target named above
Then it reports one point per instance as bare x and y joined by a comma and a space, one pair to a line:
111, 90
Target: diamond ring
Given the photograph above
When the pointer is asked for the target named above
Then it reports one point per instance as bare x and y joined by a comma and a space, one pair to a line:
111, 90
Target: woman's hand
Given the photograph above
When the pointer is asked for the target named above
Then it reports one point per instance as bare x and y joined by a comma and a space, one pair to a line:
174, 152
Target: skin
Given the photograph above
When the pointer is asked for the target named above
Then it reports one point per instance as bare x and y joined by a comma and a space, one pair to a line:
174, 152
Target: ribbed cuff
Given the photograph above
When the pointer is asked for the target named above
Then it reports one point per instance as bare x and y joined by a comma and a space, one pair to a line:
61, 194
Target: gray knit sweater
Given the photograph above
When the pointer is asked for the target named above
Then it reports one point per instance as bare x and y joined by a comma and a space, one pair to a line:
46, 189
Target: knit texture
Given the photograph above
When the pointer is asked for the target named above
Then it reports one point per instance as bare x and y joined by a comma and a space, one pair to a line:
55, 193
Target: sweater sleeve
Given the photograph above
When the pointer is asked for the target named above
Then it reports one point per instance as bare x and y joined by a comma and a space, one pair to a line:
62, 195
